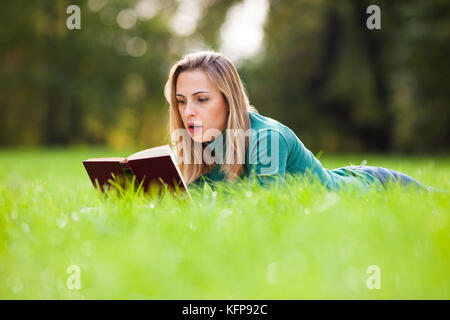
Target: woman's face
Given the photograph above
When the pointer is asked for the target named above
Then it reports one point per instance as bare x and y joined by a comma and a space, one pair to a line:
202, 106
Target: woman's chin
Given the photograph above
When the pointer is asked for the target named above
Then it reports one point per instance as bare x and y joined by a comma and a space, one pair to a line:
197, 137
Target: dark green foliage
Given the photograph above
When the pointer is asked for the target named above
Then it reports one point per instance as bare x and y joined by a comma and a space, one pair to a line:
338, 85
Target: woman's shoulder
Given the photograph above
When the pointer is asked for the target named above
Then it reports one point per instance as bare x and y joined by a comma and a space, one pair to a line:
258, 121
260, 124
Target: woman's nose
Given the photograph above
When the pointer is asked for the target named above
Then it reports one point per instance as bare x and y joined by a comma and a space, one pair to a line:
190, 109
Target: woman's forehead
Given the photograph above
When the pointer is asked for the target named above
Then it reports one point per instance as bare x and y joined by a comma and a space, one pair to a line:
192, 81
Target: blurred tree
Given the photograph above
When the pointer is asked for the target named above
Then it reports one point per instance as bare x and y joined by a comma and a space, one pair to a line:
343, 87
340, 86
419, 75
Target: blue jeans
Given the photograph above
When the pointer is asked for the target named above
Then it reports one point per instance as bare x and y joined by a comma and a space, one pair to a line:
384, 175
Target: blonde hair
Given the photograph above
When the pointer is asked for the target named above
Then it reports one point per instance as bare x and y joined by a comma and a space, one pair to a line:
224, 77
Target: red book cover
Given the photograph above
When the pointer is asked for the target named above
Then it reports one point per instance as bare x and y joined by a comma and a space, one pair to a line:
152, 167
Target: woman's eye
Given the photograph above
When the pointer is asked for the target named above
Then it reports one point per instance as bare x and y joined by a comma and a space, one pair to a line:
181, 102
203, 99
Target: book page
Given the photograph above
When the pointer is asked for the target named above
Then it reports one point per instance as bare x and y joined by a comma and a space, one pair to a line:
113, 159
162, 151
175, 162
151, 153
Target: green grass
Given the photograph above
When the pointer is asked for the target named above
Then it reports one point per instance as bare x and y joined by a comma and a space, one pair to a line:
241, 242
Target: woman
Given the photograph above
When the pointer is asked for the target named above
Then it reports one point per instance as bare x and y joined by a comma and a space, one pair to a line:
218, 136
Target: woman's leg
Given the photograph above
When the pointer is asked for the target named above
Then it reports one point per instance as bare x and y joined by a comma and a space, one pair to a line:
385, 175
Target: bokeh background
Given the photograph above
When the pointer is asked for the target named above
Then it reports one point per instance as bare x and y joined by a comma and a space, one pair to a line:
311, 64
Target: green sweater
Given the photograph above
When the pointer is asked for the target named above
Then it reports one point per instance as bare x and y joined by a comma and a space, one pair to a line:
274, 151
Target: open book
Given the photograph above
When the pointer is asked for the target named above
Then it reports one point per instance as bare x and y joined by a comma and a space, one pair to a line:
151, 167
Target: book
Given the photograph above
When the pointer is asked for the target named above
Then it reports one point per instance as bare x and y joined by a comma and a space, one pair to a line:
151, 167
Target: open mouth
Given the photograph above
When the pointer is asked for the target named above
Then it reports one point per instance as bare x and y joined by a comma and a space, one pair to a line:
192, 127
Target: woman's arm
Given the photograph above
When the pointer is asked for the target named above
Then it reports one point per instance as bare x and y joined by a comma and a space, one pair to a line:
267, 157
